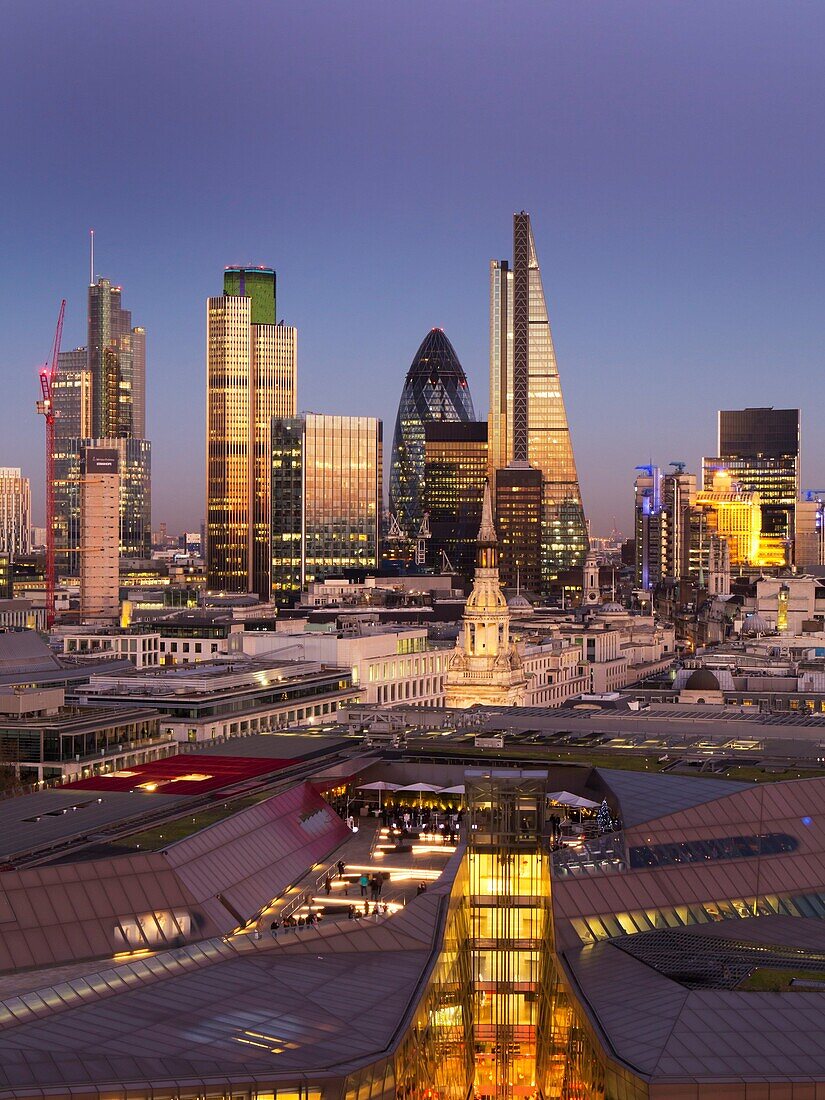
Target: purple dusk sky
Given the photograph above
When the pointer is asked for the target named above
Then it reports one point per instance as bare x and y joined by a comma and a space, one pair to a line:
671, 155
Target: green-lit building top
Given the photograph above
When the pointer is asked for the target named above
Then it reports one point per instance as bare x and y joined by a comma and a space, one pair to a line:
257, 283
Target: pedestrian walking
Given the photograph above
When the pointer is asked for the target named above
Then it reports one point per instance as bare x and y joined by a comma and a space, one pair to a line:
273, 928
379, 884
341, 867
328, 884
364, 882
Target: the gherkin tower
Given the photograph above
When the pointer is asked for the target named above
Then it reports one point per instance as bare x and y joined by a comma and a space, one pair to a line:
435, 389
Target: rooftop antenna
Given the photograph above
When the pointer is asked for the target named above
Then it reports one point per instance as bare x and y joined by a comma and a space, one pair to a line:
91, 257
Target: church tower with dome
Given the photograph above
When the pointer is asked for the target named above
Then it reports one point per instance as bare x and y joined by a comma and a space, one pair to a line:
485, 666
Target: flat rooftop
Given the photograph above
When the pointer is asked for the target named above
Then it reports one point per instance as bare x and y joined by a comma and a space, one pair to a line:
88, 809
209, 677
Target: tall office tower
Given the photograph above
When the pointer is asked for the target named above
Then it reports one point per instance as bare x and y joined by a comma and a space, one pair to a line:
135, 506
809, 537
662, 504
760, 449
72, 394
455, 474
528, 422
650, 527
435, 389
118, 372
326, 499
728, 511
15, 512
138, 336
99, 508
678, 494
518, 497
251, 365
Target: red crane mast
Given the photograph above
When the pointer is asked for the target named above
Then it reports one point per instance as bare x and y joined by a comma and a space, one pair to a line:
45, 406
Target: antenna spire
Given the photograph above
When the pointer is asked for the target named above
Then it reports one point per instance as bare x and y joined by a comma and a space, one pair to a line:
91, 257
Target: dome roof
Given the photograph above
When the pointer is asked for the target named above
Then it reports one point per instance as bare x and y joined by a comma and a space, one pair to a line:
613, 609
756, 624
521, 605
702, 680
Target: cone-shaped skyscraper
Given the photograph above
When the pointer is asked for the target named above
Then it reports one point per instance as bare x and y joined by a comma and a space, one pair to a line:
528, 421
435, 389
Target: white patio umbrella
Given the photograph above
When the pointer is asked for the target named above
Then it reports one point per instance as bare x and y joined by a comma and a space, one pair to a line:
379, 786
430, 788
458, 789
575, 800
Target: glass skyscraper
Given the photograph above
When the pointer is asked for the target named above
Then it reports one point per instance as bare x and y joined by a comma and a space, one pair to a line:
135, 508
759, 447
100, 399
118, 373
528, 421
435, 389
326, 499
455, 473
252, 372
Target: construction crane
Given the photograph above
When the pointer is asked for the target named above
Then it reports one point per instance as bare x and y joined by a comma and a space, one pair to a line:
45, 406
396, 533
424, 533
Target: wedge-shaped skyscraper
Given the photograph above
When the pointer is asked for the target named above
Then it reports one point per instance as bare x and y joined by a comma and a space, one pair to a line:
528, 421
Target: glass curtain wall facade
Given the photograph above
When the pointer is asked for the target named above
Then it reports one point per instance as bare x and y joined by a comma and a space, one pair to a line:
511, 928
455, 473
72, 396
118, 374
528, 421
435, 389
135, 463
100, 398
518, 496
761, 450
251, 379
435, 1057
15, 512
326, 490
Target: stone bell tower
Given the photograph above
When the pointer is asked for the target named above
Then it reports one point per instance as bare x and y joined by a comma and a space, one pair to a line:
485, 666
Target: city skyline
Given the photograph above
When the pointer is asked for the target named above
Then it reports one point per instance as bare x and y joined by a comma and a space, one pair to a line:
693, 264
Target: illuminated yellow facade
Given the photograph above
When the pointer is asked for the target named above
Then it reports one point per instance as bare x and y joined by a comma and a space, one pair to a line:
251, 379
725, 510
326, 499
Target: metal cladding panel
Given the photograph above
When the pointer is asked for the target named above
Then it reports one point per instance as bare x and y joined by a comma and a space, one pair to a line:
255, 855
333, 1013
73, 911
